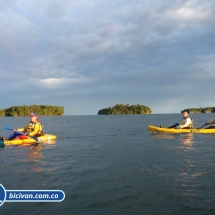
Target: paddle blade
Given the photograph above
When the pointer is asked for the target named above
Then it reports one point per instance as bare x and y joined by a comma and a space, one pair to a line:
7, 127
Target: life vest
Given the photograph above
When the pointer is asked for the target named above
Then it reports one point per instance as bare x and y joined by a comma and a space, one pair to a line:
31, 126
190, 125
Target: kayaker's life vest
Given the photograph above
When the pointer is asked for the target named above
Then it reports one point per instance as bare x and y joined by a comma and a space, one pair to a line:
190, 125
31, 126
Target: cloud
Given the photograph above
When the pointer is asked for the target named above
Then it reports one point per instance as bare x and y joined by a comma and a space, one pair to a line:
97, 49
55, 82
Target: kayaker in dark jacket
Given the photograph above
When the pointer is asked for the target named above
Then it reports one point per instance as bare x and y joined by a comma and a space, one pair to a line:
33, 128
210, 123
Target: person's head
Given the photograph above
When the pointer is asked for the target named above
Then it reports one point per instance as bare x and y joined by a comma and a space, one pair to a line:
185, 113
33, 117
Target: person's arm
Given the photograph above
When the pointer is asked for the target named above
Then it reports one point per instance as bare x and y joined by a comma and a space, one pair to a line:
186, 124
22, 129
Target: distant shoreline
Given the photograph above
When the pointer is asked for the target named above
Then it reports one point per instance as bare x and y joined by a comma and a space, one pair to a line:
200, 110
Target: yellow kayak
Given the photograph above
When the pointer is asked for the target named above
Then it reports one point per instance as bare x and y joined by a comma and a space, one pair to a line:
44, 138
181, 130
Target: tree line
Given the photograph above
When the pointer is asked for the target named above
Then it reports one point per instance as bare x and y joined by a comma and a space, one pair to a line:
40, 110
125, 109
201, 110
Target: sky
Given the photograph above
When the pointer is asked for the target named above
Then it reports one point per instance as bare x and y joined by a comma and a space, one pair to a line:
89, 55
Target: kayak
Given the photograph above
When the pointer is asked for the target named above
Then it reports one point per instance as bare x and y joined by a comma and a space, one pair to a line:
181, 130
44, 138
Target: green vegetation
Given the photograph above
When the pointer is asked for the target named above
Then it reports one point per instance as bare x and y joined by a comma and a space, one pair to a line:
201, 110
40, 110
125, 109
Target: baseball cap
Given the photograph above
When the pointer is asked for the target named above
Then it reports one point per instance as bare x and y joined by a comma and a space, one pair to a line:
33, 114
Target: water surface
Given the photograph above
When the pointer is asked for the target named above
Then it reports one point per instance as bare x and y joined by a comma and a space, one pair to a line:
113, 165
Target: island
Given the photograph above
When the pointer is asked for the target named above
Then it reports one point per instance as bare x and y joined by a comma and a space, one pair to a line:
200, 110
125, 109
40, 110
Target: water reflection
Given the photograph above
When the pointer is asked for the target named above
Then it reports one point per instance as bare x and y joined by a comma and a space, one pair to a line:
187, 139
190, 172
34, 153
157, 136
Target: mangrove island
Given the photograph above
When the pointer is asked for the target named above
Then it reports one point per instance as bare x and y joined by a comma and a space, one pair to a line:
125, 109
40, 110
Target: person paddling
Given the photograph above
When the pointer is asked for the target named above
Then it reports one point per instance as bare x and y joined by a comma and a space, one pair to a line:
34, 128
187, 122
210, 123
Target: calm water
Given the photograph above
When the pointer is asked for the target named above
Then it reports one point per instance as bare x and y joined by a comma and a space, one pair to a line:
113, 165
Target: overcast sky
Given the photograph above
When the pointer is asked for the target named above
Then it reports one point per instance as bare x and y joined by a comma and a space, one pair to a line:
87, 55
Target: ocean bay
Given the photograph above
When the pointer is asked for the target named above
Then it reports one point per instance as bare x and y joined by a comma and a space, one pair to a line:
113, 165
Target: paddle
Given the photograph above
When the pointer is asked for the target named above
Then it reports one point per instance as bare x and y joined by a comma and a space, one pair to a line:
174, 126
7, 127
207, 123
